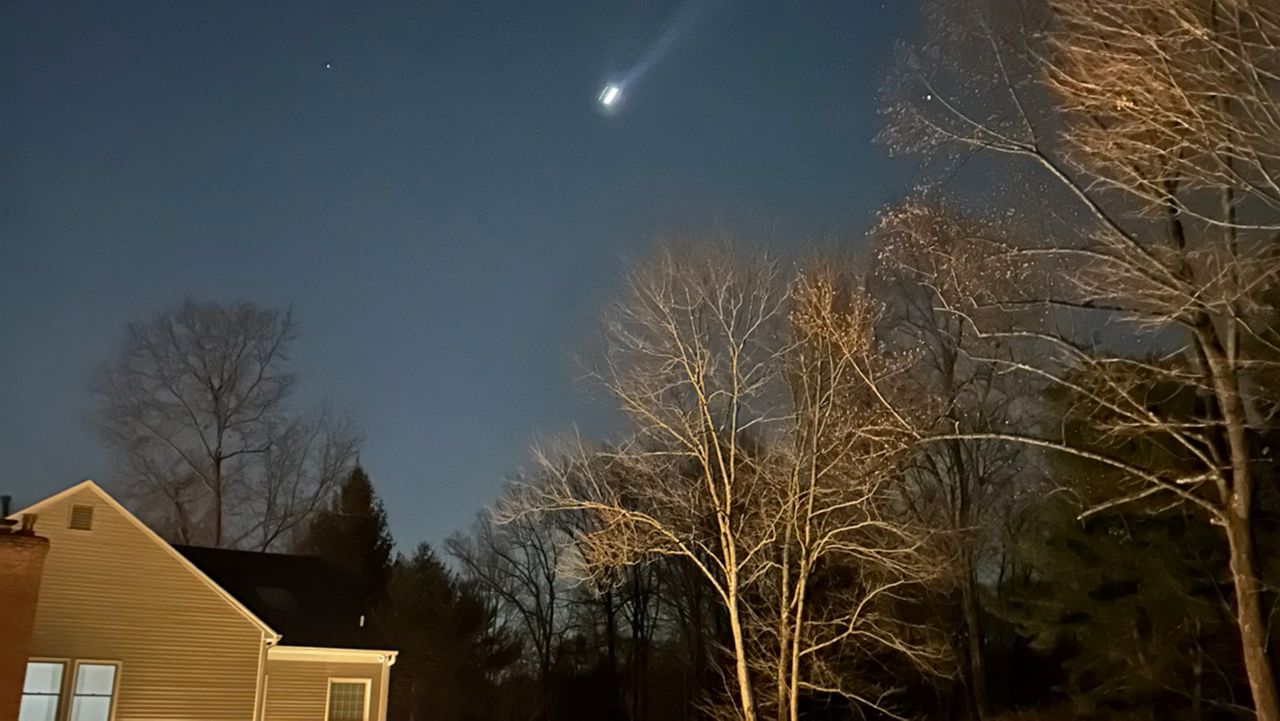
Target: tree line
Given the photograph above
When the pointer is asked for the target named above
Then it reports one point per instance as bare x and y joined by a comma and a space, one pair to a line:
1015, 459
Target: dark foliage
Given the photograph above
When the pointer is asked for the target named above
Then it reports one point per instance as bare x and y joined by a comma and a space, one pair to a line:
352, 534
453, 650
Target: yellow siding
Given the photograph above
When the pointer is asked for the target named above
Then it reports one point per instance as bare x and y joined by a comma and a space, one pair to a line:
297, 690
114, 593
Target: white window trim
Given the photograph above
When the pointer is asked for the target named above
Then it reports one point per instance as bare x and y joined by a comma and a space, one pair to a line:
60, 711
328, 689
75, 674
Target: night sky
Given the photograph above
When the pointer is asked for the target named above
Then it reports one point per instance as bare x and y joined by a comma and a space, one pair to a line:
429, 184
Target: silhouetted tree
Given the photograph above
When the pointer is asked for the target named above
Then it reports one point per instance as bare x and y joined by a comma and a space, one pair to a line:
351, 531
959, 487
196, 409
519, 566
454, 649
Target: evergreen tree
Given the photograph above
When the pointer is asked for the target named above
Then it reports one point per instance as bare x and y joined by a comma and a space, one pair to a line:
352, 533
453, 648
1130, 598
1130, 606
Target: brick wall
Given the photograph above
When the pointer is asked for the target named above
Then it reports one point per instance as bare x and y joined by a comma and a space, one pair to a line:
21, 564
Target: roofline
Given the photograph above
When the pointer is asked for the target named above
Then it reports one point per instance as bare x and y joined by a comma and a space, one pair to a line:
328, 653
146, 530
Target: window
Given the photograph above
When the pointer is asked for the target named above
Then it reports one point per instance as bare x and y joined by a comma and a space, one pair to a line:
40, 691
94, 691
348, 699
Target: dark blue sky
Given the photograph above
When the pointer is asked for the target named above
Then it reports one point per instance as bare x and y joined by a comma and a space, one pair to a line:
443, 206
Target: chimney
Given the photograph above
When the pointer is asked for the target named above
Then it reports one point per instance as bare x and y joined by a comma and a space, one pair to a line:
22, 555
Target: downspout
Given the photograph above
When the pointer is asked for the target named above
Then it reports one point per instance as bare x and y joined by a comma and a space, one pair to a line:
260, 692
386, 685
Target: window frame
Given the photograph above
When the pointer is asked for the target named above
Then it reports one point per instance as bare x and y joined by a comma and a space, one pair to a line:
328, 694
59, 710
75, 674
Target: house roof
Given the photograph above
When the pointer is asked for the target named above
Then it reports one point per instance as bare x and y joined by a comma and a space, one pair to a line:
306, 599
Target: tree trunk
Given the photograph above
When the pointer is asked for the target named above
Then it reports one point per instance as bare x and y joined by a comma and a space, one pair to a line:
784, 627
973, 643
1197, 690
802, 583
745, 695
781, 681
611, 632
1237, 517
963, 525
217, 496
1249, 617
217, 519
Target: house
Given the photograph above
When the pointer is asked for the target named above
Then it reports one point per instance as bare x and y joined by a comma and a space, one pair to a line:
129, 627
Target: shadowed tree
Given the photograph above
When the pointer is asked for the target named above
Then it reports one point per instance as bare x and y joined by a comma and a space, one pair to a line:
453, 646
196, 408
519, 565
351, 531
1131, 605
960, 487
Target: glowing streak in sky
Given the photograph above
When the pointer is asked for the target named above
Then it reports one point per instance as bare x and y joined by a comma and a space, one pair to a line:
610, 95
674, 30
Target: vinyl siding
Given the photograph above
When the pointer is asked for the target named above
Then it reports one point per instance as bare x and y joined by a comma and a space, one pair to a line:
297, 690
114, 593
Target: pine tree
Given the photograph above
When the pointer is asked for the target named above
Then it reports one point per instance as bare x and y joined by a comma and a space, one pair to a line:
1128, 598
1129, 605
453, 647
352, 533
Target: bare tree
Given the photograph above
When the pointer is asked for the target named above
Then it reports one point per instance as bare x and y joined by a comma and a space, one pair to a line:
641, 592
961, 487
849, 436
624, 605
307, 460
519, 564
196, 408
694, 620
692, 358
1160, 119
763, 456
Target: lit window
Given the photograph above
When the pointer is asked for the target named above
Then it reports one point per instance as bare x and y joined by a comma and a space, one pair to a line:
347, 699
94, 689
40, 691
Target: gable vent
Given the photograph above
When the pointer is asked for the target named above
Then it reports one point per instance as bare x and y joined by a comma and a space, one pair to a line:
81, 518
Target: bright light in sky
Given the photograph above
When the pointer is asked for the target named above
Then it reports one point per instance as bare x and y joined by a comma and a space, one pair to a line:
674, 30
610, 95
